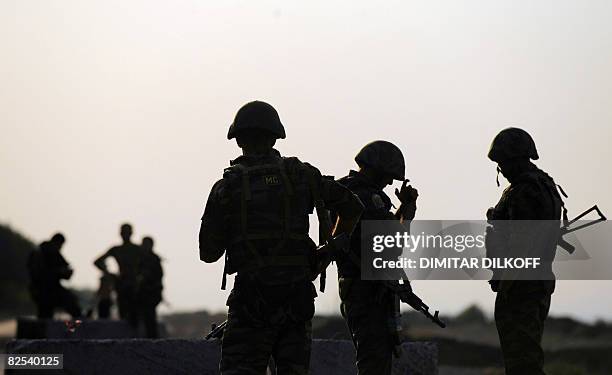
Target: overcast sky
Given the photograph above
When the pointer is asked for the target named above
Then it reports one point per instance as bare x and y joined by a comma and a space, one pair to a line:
114, 111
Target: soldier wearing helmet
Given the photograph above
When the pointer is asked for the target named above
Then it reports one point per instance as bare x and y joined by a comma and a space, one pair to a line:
521, 306
368, 306
257, 216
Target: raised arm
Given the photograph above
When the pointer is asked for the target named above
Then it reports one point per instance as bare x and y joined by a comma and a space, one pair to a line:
342, 201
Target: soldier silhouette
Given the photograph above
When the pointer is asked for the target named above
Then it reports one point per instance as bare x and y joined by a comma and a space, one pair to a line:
128, 256
149, 288
367, 305
521, 306
47, 267
257, 215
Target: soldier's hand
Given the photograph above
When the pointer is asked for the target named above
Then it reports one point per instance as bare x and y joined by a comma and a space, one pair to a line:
408, 211
407, 194
334, 246
330, 250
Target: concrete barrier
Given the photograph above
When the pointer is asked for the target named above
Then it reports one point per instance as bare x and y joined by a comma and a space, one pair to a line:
29, 328
181, 356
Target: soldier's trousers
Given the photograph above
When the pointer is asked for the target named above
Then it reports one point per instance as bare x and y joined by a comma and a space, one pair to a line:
147, 314
520, 324
247, 348
367, 312
127, 303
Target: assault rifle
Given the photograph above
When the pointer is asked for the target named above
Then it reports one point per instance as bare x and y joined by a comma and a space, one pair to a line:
216, 331
402, 291
565, 229
406, 295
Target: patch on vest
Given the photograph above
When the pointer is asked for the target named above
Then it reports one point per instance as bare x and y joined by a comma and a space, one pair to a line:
271, 180
377, 201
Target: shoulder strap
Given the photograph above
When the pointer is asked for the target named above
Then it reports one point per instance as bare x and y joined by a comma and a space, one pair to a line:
555, 191
245, 195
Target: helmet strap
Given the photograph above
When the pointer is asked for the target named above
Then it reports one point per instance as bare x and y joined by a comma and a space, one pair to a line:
497, 178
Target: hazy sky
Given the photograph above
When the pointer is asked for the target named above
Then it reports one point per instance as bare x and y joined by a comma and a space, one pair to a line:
114, 111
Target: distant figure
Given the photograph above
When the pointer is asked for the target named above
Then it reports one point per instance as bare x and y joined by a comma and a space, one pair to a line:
149, 288
105, 295
521, 306
128, 256
47, 268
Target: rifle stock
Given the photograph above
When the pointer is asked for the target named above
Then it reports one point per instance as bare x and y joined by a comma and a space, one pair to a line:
566, 228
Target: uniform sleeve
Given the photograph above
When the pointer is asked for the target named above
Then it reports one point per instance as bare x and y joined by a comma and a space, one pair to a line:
336, 197
213, 239
377, 206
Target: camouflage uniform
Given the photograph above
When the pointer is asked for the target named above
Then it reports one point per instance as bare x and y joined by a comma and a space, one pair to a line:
522, 306
367, 305
258, 216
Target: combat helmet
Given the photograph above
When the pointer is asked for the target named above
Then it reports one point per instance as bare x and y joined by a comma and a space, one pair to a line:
257, 115
383, 156
512, 143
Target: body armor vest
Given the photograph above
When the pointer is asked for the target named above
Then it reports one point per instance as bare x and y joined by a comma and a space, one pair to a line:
550, 208
552, 203
267, 206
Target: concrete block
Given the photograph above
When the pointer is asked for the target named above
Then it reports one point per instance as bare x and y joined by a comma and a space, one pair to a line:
181, 356
28, 328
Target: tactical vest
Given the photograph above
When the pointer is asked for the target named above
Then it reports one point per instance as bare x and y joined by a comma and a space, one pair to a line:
540, 178
553, 211
267, 207
377, 207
